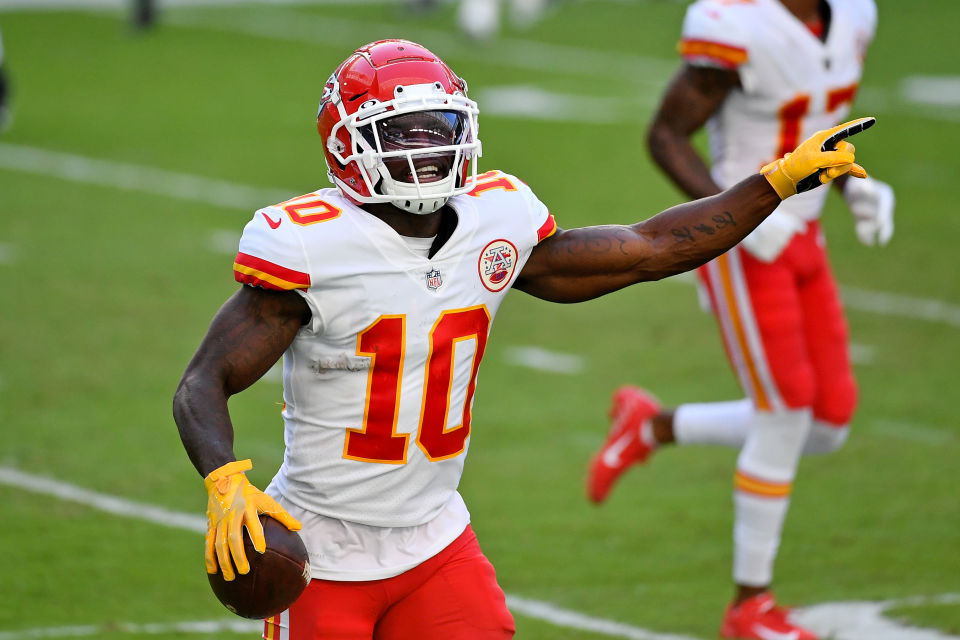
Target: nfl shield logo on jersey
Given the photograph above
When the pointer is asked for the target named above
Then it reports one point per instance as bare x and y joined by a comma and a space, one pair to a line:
433, 279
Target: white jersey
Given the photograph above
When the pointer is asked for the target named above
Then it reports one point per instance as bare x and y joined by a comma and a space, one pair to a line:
793, 84
378, 386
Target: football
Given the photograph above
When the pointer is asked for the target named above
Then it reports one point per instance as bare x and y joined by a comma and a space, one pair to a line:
276, 578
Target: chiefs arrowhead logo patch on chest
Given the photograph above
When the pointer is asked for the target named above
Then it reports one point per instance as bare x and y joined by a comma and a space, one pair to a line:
496, 265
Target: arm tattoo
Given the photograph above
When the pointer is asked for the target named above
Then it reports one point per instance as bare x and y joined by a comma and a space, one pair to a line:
724, 220
687, 234
609, 240
683, 234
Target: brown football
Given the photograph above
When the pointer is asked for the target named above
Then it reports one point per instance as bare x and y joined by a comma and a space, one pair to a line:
277, 576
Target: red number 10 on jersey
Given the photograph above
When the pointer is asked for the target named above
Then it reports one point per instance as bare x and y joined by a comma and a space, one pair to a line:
384, 342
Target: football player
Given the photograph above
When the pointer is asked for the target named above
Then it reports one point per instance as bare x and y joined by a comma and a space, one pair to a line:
480, 19
762, 75
144, 14
5, 116
379, 294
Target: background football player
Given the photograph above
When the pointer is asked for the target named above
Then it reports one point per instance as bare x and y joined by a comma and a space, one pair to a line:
761, 74
379, 294
5, 114
480, 19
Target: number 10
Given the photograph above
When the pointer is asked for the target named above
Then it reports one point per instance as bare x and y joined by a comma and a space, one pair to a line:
384, 343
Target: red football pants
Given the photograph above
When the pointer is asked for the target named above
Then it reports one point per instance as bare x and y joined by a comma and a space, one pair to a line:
452, 596
784, 329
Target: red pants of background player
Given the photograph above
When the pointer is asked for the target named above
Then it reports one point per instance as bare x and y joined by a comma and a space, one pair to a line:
452, 596
783, 328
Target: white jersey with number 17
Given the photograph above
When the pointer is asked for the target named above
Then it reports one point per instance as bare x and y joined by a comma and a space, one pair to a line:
793, 84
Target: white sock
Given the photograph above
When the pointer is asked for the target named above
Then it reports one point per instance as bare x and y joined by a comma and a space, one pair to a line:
722, 423
766, 468
756, 537
480, 19
727, 423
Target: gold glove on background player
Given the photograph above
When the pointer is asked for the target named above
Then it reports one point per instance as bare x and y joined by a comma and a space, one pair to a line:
233, 504
819, 159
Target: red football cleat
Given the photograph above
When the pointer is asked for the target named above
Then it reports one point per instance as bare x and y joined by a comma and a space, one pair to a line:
632, 408
759, 618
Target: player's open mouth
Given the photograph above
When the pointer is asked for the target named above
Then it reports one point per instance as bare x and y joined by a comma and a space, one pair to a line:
429, 168
428, 173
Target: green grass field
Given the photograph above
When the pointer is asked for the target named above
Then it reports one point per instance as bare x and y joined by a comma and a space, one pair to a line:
108, 286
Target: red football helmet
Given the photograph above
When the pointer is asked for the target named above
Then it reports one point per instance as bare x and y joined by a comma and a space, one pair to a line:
397, 127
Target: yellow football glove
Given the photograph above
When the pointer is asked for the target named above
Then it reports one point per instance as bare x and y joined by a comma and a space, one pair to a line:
234, 503
819, 159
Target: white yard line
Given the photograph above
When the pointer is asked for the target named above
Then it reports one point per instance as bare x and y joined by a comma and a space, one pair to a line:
516, 53
86, 631
231, 195
224, 241
929, 97
534, 103
863, 621
934, 91
101, 501
198, 524
575, 620
124, 5
8, 253
913, 432
132, 177
893, 304
543, 360
862, 354
933, 98
845, 621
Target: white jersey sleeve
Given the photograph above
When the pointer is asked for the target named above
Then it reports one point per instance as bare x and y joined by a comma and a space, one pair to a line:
866, 15
271, 253
542, 221
502, 190
713, 36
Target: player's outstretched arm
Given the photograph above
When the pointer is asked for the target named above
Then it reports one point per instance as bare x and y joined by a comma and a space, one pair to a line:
580, 264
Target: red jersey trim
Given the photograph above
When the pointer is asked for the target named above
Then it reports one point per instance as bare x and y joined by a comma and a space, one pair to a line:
724, 55
548, 229
249, 269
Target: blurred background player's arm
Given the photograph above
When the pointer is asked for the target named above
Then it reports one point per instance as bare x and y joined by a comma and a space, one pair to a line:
692, 97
